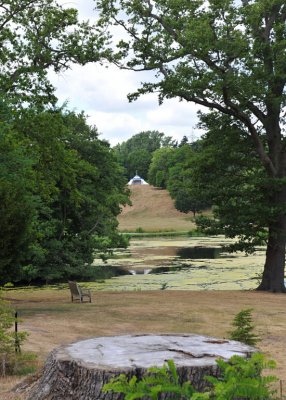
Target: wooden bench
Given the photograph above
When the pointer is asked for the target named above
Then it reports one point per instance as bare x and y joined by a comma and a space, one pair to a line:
78, 293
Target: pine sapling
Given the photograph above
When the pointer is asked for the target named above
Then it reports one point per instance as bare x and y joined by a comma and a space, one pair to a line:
244, 327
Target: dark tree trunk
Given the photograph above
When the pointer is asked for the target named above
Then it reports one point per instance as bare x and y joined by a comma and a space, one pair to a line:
273, 274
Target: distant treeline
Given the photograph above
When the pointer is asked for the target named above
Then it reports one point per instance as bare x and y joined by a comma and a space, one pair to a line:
164, 163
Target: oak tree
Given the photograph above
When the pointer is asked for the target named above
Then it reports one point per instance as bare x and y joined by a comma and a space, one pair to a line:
37, 36
227, 56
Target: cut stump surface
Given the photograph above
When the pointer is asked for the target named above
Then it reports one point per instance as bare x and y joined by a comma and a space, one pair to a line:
79, 370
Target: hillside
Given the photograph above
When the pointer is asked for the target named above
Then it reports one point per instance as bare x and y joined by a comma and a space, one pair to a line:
153, 210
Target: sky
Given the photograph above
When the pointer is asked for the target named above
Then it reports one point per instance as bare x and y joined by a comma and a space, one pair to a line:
101, 93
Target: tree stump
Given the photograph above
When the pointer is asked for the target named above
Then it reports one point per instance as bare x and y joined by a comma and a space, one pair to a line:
78, 371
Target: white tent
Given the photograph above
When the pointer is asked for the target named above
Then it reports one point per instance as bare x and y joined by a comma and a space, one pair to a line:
137, 181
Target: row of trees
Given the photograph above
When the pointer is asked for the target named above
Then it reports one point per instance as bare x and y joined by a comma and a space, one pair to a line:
60, 186
136, 153
172, 168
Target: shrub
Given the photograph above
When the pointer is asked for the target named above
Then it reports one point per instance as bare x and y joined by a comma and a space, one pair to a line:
240, 379
9, 341
244, 327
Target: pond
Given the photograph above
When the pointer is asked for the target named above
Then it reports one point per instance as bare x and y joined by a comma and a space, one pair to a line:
183, 263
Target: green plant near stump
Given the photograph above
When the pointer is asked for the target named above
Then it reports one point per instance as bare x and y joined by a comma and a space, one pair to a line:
244, 327
9, 340
240, 378
155, 382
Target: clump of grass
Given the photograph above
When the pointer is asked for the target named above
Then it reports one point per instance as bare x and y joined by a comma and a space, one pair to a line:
164, 286
21, 364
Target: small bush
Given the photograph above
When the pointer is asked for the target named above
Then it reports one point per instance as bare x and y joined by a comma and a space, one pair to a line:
242, 379
10, 341
21, 363
244, 327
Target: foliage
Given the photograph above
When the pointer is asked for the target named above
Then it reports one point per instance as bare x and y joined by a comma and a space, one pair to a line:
136, 153
229, 57
244, 327
17, 208
7, 337
37, 36
171, 168
162, 160
155, 382
60, 186
240, 378
73, 196
186, 201
22, 363
229, 176
182, 183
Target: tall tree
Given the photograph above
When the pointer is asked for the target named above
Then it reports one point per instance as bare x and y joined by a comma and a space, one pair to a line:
17, 203
78, 189
60, 188
228, 56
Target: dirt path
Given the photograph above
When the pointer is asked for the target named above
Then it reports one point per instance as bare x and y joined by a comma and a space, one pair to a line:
52, 320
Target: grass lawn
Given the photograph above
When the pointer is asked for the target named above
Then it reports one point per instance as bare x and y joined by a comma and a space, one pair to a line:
52, 320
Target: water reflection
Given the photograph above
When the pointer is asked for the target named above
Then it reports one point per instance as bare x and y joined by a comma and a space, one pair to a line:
184, 253
183, 264
199, 252
139, 271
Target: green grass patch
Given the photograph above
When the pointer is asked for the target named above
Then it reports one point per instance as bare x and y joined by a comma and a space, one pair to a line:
140, 233
155, 234
22, 364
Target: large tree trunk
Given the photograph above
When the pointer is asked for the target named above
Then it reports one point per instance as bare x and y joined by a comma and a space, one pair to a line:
273, 274
79, 371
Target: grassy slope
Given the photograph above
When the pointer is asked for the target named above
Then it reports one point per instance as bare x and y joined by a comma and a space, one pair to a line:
153, 210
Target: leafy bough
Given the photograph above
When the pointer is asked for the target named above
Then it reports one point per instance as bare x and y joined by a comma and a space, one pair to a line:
240, 378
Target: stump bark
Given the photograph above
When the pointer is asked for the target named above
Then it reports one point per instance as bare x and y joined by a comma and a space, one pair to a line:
78, 371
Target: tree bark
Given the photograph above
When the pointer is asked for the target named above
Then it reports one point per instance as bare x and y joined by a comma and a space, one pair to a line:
79, 371
273, 274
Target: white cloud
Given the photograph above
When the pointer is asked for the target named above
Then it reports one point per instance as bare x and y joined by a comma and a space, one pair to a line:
102, 94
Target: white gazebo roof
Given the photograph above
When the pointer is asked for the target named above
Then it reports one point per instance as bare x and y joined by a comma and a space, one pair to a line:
137, 180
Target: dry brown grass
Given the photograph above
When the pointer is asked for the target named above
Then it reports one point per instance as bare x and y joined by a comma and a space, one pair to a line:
153, 210
52, 320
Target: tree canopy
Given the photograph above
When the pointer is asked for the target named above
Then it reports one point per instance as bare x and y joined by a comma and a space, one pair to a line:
35, 36
60, 194
228, 56
135, 154
228, 175
60, 186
